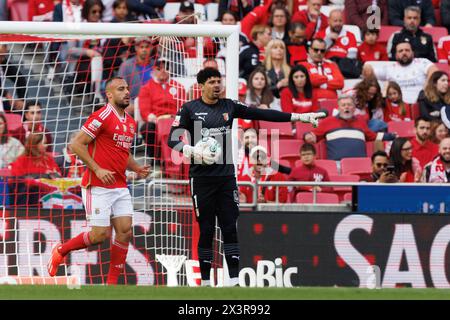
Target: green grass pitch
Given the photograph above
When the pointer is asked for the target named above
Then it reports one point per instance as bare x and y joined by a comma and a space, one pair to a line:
41, 292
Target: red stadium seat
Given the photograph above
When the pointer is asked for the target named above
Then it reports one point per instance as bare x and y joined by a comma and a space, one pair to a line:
329, 165
321, 197
358, 166
402, 128
415, 110
18, 10
443, 67
341, 191
370, 147
328, 104
14, 121
287, 150
386, 32
348, 197
302, 128
284, 129
436, 32
5, 172
321, 149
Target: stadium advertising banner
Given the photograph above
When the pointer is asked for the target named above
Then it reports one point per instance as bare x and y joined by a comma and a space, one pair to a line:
398, 199
28, 236
341, 249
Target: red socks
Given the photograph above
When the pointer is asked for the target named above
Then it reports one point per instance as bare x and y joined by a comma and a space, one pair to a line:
119, 252
81, 241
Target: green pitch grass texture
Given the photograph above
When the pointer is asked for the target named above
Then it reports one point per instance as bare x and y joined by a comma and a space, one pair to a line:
41, 292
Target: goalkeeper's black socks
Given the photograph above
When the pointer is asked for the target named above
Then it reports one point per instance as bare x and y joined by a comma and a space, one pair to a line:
232, 255
205, 257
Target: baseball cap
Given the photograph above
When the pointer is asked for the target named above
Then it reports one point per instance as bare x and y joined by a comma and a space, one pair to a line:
187, 6
242, 87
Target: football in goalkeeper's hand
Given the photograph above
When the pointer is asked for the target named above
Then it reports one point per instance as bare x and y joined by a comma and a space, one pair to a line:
210, 150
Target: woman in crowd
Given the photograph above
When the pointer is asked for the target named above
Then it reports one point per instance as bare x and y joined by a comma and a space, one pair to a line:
276, 65
10, 148
438, 131
35, 161
369, 103
259, 94
435, 96
299, 96
396, 109
406, 167
32, 122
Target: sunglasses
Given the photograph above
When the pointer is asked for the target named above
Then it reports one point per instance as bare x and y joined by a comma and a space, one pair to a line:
379, 165
319, 50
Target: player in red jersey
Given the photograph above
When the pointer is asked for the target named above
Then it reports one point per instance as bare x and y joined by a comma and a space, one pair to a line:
103, 144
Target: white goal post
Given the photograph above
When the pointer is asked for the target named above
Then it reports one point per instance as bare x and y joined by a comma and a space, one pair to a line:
163, 224
231, 33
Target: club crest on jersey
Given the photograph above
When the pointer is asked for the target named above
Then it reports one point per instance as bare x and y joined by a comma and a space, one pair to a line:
94, 125
132, 129
225, 116
173, 91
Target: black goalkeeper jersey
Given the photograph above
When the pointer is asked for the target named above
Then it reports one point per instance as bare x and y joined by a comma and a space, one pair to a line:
215, 120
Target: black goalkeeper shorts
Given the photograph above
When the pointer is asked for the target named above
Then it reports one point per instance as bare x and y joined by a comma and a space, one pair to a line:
215, 196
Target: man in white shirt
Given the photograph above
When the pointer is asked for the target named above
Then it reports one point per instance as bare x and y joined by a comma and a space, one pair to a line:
410, 73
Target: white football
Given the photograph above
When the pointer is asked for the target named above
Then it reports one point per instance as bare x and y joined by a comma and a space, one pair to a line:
210, 146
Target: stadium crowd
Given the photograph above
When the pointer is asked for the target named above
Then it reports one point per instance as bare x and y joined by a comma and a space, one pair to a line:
383, 87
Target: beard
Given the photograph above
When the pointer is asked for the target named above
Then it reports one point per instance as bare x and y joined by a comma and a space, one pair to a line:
405, 62
337, 29
444, 160
122, 105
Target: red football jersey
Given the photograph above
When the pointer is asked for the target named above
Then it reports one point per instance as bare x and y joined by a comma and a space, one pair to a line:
110, 149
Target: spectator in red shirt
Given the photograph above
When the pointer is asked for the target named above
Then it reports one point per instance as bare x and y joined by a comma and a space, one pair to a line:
406, 167
423, 149
261, 171
296, 46
299, 96
159, 98
340, 43
396, 109
308, 171
370, 49
325, 74
32, 123
35, 161
312, 18
41, 10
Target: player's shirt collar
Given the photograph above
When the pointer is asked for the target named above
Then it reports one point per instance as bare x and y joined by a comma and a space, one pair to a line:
122, 119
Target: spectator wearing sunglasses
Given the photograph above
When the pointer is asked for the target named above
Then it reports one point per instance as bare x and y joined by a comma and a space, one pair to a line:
380, 172
325, 74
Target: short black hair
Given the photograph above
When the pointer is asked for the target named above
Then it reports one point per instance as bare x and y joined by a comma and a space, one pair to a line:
204, 74
420, 118
308, 147
108, 82
117, 3
379, 153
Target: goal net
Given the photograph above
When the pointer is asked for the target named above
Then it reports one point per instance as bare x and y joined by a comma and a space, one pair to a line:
50, 83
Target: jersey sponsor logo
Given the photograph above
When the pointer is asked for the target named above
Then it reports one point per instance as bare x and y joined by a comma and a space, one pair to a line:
117, 127
176, 122
201, 118
122, 140
94, 125
225, 116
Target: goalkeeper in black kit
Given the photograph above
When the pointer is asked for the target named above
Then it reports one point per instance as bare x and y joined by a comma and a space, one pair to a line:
208, 121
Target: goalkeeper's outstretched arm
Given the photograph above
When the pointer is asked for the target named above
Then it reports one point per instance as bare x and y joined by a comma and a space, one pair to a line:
244, 112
